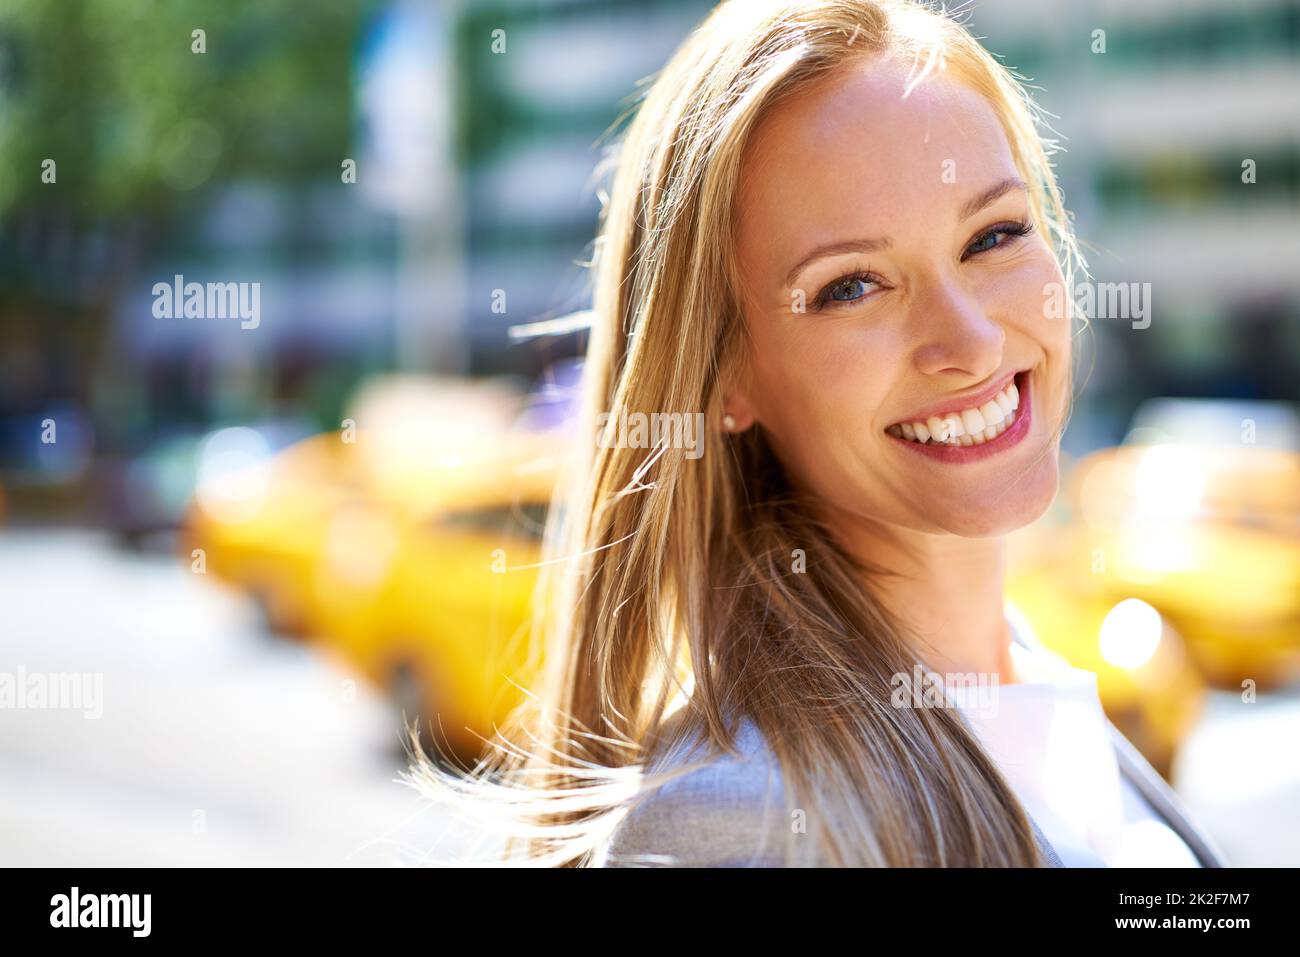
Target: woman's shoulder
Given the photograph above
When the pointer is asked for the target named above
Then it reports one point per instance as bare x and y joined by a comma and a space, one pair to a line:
728, 812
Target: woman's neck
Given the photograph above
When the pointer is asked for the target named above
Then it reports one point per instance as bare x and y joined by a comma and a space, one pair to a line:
947, 592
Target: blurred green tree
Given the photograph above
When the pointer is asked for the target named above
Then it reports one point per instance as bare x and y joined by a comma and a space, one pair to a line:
137, 121
144, 129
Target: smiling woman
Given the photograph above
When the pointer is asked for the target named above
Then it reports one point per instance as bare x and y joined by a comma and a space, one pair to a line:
830, 230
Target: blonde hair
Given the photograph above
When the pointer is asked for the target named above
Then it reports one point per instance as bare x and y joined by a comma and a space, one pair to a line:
669, 576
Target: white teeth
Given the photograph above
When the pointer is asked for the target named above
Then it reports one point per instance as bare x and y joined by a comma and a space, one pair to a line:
938, 427
973, 426
991, 413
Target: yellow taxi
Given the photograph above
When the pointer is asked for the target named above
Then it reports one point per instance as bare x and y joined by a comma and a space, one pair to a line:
431, 600
406, 544
1169, 566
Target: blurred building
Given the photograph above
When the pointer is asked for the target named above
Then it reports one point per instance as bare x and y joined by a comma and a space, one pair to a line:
476, 131
1159, 105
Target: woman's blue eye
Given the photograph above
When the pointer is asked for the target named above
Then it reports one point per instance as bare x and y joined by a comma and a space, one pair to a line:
998, 236
846, 290
848, 287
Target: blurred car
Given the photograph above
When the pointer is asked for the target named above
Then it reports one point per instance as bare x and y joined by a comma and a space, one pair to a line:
144, 496
1174, 562
46, 459
258, 520
1146, 681
1219, 480
432, 603
406, 544
1211, 537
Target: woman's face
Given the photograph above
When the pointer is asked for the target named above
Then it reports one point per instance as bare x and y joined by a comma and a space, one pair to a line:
885, 284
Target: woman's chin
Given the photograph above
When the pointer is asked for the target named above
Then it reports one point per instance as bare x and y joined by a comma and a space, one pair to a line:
1001, 511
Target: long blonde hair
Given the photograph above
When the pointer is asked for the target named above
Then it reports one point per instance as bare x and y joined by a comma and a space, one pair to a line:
670, 576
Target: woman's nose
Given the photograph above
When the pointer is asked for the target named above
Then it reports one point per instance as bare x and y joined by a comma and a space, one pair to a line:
956, 332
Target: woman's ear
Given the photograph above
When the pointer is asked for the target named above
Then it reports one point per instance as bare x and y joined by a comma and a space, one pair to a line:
737, 412
738, 409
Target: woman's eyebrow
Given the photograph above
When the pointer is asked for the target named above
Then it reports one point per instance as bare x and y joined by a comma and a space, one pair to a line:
834, 249
976, 203
968, 209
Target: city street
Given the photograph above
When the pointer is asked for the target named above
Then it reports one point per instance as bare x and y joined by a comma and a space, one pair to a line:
219, 744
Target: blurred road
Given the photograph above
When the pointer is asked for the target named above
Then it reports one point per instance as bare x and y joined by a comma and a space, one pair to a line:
221, 745
218, 744
1239, 773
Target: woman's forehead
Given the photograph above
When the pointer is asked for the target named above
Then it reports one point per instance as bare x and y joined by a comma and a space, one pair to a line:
852, 152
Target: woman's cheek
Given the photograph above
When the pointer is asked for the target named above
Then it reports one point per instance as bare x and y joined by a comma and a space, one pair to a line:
1019, 295
818, 386
1052, 331
847, 377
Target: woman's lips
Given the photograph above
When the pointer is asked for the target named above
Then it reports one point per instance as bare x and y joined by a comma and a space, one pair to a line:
974, 400
973, 453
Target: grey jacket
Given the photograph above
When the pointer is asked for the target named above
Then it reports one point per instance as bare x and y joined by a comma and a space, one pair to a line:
730, 812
